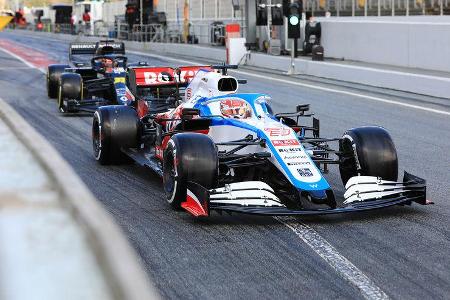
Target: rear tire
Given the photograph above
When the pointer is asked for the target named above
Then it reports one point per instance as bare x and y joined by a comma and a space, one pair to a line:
368, 151
188, 157
70, 88
108, 140
53, 75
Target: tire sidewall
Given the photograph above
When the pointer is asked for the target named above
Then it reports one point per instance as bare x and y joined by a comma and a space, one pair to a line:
373, 153
192, 157
99, 134
53, 76
70, 87
179, 191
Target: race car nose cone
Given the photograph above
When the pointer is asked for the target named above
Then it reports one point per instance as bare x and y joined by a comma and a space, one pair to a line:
319, 197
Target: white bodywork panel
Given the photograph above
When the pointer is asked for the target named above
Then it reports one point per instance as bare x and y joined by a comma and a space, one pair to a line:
206, 84
361, 188
247, 193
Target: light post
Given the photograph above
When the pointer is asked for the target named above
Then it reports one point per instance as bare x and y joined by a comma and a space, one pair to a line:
294, 17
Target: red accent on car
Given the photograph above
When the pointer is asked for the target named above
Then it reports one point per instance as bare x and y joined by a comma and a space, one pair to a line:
188, 72
281, 143
193, 206
142, 108
279, 131
155, 76
159, 149
202, 131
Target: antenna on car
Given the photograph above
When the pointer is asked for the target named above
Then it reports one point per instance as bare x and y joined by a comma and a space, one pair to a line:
224, 67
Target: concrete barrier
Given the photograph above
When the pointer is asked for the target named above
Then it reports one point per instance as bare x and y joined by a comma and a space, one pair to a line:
56, 241
412, 42
415, 82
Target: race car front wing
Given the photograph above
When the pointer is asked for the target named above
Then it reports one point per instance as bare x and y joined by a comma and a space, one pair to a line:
254, 197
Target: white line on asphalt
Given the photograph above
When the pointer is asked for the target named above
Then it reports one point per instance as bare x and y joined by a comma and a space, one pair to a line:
22, 60
16, 68
339, 263
336, 91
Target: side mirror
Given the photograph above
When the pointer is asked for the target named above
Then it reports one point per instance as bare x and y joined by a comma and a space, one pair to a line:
302, 107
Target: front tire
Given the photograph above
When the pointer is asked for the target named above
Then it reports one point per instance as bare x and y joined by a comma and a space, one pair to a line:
108, 140
70, 89
53, 75
368, 151
188, 157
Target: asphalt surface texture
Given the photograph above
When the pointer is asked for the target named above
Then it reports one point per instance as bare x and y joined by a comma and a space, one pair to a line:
405, 251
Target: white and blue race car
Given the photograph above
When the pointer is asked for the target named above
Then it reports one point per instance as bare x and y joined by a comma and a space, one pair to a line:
220, 150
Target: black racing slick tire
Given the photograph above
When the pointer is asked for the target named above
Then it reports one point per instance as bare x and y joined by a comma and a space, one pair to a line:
53, 74
114, 128
188, 157
368, 151
70, 88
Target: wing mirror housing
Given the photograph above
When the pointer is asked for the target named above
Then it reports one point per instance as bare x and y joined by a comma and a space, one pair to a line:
302, 108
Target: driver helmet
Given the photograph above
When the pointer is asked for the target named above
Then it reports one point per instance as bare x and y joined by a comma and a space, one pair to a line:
106, 63
235, 108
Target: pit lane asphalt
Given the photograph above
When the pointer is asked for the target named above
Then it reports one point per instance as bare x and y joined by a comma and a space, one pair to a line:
404, 250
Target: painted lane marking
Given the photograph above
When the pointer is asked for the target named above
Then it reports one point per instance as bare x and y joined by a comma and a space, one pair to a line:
331, 90
31, 57
16, 68
369, 290
18, 58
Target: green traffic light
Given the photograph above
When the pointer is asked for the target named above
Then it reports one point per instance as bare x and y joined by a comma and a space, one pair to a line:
293, 20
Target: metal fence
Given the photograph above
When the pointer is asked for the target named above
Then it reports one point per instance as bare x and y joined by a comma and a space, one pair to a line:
344, 8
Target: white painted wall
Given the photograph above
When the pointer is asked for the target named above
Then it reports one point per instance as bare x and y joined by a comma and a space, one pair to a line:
416, 42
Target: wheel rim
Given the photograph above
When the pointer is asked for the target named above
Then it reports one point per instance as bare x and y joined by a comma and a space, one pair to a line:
96, 139
60, 100
170, 183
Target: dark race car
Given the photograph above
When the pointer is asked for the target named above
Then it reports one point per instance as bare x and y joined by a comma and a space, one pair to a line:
220, 150
96, 76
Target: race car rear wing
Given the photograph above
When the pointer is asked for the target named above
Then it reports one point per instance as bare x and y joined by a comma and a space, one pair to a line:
163, 76
89, 48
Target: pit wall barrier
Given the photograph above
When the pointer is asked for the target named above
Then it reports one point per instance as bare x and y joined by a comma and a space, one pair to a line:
56, 240
414, 82
412, 42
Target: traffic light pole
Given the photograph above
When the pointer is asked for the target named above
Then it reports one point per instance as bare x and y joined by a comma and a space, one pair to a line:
291, 70
294, 17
